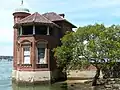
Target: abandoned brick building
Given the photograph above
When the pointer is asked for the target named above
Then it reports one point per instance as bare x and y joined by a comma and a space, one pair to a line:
35, 36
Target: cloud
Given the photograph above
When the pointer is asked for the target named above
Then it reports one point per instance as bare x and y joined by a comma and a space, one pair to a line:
79, 12
6, 26
116, 12
6, 50
70, 5
6, 18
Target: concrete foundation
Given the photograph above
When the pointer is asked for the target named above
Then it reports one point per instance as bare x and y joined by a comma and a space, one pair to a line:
86, 74
39, 77
31, 76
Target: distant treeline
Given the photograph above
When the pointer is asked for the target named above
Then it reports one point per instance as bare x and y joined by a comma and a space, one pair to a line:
6, 57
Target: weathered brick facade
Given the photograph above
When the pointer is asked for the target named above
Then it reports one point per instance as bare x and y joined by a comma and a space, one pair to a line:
56, 28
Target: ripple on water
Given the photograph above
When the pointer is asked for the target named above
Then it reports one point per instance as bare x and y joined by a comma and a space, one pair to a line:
5, 75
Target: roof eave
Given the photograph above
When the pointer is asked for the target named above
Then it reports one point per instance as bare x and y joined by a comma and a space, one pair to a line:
73, 26
35, 23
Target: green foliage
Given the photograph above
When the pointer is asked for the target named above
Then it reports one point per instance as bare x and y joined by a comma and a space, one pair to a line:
92, 43
64, 53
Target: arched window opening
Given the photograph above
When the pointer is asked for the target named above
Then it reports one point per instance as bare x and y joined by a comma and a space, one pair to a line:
26, 54
41, 53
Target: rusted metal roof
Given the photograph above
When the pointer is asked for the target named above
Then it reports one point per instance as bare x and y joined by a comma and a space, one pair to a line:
35, 18
53, 16
56, 17
47, 19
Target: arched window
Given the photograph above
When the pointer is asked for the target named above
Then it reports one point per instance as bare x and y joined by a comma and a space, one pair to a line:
26, 52
41, 53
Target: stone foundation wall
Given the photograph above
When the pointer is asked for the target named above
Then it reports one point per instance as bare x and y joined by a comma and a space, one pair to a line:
38, 77
31, 77
86, 74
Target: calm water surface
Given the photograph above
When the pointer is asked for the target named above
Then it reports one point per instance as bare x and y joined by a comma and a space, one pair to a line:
5, 75
6, 84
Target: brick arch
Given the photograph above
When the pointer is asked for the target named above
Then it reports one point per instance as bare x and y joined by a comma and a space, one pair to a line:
25, 42
41, 40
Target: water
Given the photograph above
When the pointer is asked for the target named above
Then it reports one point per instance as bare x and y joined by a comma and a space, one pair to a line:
5, 75
45, 87
6, 84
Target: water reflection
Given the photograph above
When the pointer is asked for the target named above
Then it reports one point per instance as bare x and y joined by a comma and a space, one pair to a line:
5, 82
57, 86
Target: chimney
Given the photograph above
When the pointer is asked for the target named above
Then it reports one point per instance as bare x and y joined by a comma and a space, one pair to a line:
62, 15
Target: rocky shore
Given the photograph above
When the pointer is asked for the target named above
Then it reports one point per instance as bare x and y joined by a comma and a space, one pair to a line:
111, 83
102, 84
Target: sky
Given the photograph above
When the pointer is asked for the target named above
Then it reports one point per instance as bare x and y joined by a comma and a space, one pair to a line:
79, 12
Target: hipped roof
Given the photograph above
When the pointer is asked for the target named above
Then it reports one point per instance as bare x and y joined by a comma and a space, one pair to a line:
36, 18
56, 17
46, 19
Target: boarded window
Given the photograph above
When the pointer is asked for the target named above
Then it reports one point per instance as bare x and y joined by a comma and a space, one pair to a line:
41, 53
26, 50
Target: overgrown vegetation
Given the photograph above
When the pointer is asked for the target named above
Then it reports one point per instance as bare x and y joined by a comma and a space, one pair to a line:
93, 44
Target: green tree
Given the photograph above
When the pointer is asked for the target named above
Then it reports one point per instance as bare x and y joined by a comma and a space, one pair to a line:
95, 44
63, 53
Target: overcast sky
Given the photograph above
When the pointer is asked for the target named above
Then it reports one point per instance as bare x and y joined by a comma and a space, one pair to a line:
79, 12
